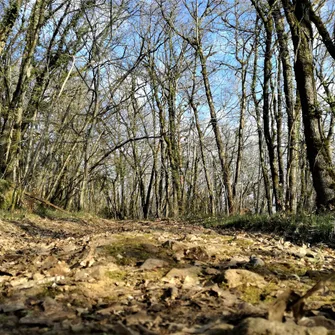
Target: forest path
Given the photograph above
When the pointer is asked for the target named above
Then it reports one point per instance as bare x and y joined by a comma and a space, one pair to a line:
163, 277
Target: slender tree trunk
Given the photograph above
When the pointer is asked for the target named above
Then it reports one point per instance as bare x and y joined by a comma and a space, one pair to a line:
259, 127
292, 111
216, 129
201, 147
273, 160
240, 130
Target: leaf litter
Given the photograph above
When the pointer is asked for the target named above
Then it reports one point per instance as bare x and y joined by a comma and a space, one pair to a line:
164, 277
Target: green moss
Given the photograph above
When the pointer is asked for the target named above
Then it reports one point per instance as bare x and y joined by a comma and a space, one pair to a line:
243, 242
287, 268
154, 275
255, 295
116, 275
130, 251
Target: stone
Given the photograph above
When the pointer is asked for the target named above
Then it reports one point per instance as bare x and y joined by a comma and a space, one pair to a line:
190, 282
192, 271
97, 272
298, 252
317, 321
256, 261
60, 269
220, 329
35, 320
238, 277
153, 263
211, 271
259, 326
173, 245
197, 253
12, 306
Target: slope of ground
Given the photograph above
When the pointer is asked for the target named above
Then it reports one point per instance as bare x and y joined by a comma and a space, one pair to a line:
164, 277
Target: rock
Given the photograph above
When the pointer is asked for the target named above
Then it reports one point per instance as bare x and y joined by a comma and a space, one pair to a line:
97, 272
211, 271
190, 282
249, 309
50, 305
234, 262
19, 282
140, 317
60, 269
193, 238
32, 320
12, 306
81, 275
255, 261
298, 252
220, 329
68, 248
197, 253
38, 276
214, 328
238, 277
54, 310
110, 310
317, 321
192, 271
150, 248
153, 263
228, 298
178, 255
173, 245
259, 326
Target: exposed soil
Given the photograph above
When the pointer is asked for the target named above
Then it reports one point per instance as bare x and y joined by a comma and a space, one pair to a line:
163, 277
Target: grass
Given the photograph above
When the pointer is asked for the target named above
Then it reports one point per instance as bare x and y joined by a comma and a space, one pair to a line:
308, 228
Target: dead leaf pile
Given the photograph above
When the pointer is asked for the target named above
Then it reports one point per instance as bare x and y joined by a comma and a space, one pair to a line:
164, 277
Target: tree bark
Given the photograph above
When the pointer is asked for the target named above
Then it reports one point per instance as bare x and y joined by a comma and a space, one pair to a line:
320, 163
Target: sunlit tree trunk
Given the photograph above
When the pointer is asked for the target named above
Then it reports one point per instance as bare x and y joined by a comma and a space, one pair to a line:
265, 175
291, 110
318, 156
7, 22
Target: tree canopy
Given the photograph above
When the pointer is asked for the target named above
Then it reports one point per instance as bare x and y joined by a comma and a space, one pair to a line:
157, 108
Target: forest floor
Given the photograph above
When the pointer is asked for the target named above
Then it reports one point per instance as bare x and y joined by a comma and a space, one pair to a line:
104, 277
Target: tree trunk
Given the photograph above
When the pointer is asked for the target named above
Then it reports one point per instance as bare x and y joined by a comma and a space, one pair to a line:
216, 129
319, 161
291, 110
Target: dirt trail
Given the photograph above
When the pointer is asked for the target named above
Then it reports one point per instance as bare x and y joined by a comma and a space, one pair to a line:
166, 277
